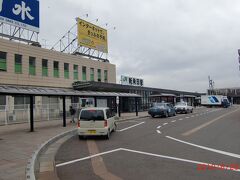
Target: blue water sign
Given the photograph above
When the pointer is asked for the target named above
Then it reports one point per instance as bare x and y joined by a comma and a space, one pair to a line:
20, 13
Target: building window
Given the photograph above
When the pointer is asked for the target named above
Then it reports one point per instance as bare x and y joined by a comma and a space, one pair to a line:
32, 66
75, 72
2, 102
56, 69
22, 102
84, 73
54, 101
66, 70
105, 76
44, 67
3, 61
18, 63
99, 75
91, 74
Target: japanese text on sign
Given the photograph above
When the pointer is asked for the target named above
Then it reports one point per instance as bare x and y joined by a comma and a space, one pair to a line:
20, 13
125, 80
92, 36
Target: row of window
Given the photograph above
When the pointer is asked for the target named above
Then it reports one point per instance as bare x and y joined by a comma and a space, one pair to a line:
56, 71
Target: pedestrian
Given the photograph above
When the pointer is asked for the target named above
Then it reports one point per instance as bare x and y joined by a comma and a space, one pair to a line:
72, 113
195, 104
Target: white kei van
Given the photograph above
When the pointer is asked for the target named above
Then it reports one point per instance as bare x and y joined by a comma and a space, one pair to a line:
94, 121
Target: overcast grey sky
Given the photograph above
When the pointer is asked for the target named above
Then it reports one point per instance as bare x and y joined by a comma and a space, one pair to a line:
171, 44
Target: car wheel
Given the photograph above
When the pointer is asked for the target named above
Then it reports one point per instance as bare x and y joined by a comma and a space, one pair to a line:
192, 111
81, 137
115, 127
153, 116
166, 114
108, 135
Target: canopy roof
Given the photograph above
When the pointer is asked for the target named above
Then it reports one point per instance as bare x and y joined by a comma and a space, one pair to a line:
45, 91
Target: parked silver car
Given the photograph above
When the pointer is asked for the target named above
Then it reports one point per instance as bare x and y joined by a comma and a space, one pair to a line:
183, 107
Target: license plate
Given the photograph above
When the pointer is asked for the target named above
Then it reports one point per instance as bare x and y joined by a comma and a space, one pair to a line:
92, 131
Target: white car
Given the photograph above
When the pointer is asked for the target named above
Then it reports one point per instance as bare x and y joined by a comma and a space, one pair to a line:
95, 121
183, 107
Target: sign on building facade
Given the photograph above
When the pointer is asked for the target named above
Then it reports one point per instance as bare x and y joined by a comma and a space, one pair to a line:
92, 36
20, 13
126, 80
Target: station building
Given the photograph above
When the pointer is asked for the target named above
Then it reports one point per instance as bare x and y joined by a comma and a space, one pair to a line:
27, 69
27, 66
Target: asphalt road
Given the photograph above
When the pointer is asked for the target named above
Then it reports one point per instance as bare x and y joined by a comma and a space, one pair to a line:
202, 145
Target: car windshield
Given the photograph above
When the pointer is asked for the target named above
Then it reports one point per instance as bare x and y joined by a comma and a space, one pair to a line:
181, 104
162, 105
225, 100
96, 115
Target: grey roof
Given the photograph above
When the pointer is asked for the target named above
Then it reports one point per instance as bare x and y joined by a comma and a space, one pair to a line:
163, 94
188, 96
47, 91
91, 85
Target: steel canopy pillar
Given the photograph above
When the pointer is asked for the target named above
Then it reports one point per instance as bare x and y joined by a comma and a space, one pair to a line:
64, 111
95, 101
136, 106
31, 114
119, 106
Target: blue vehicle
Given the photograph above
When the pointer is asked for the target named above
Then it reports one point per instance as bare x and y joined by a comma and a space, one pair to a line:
162, 109
225, 103
215, 100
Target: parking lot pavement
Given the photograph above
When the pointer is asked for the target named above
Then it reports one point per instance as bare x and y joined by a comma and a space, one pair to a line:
17, 144
140, 152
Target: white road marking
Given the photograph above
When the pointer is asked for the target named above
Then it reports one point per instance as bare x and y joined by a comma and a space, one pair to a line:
187, 117
130, 127
88, 157
173, 121
128, 121
180, 119
206, 148
207, 123
159, 127
144, 153
192, 116
159, 132
177, 159
165, 124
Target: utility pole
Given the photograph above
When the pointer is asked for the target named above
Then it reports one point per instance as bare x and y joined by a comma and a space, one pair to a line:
211, 85
239, 60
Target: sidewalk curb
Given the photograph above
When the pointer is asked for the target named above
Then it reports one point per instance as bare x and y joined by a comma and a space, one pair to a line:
34, 160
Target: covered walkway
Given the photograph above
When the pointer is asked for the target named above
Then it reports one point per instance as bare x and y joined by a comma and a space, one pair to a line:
31, 92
